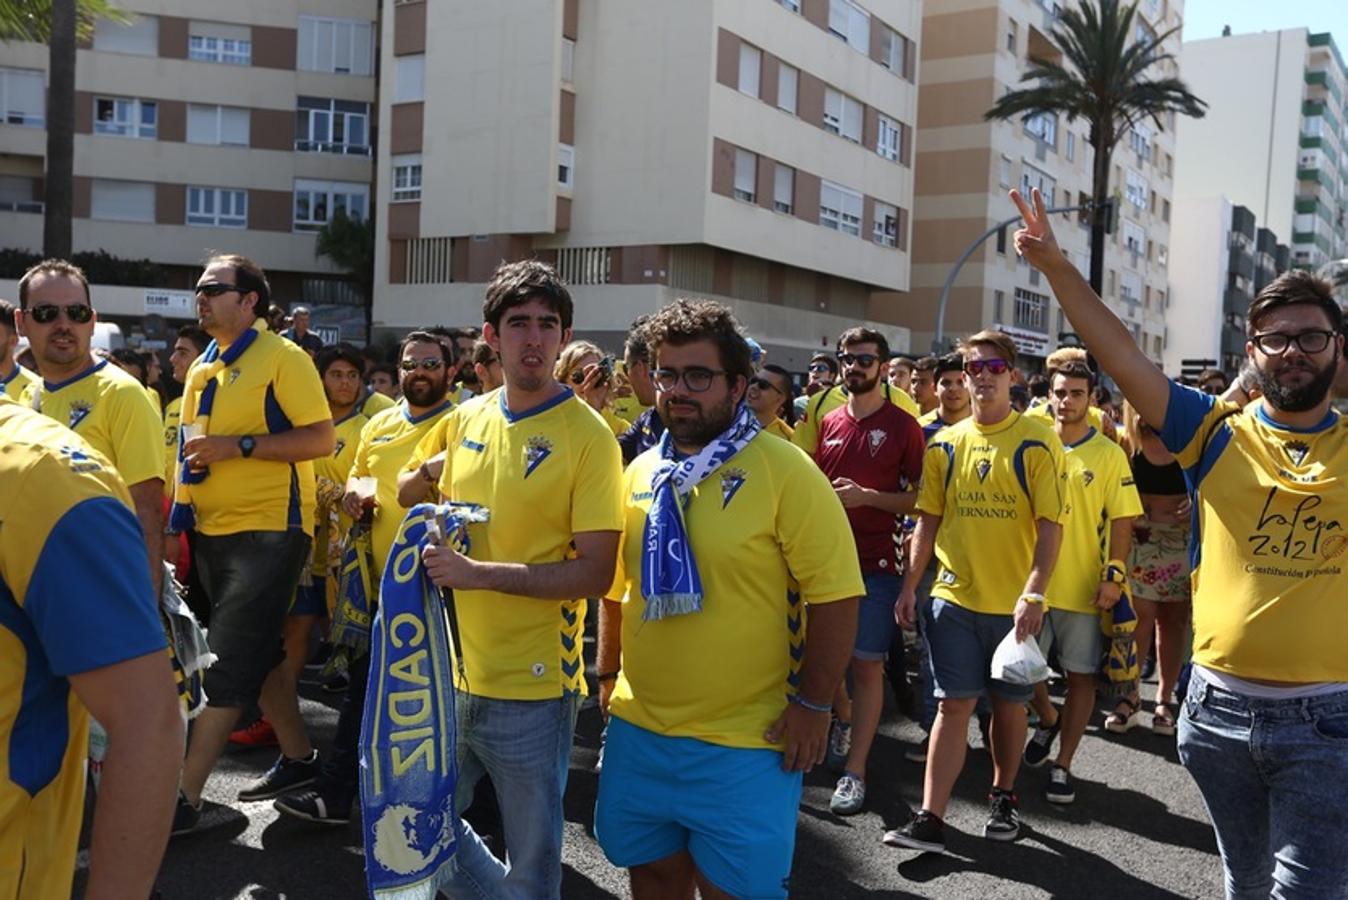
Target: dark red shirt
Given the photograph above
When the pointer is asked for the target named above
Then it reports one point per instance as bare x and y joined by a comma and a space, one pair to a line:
882, 452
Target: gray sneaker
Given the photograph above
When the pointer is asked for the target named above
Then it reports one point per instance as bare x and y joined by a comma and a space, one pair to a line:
848, 796
839, 745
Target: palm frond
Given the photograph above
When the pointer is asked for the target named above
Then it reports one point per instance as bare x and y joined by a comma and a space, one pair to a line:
30, 20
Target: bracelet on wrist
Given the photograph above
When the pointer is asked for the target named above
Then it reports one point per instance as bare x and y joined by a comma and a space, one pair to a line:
607, 676
1031, 597
810, 705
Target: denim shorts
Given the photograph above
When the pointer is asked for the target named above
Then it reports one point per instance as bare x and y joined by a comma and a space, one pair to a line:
875, 615
960, 644
733, 809
1078, 639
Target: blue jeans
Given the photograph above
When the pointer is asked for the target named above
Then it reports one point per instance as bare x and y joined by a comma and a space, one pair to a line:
525, 746
1274, 775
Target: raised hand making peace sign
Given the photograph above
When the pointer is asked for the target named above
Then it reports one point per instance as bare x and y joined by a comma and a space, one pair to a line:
1035, 241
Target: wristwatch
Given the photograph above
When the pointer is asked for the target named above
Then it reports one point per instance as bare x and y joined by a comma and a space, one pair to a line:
247, 444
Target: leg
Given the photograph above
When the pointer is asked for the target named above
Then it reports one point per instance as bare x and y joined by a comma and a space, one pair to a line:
1079, 646
341, 771
1146, 626
1043, 706
1076, 713
842, 703
1172, 625
959, 669
869, 686
1308, 821
671, 878
945, 758
296, 642
1008, 740
210, 734
280, 703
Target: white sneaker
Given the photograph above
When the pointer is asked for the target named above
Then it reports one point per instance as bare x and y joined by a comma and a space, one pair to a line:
848, 796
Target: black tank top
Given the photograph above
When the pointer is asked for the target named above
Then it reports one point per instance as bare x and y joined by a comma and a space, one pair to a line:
1161, 480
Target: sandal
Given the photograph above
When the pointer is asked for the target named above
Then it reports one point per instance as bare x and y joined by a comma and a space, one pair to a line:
1163, 720
1120, 722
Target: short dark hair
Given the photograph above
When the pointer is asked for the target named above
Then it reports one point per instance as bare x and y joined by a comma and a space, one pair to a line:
249, 278
425, 337
1292, 288
863, 335
1072, 369
7, 314
125, 356
338, 353
951, 362
685, 321
388, 369
58, 267
635, 349
789, 406
927, 364
1101, 395
1209, 374
515, 283
197, 335
1038, 384
483, 354
827, 359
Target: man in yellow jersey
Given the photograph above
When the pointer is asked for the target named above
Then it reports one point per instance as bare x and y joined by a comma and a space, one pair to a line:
256, 405
385, 444
545, 465
647, 426
924, 383
190, 343
806, 433
79, 635
769, 396
97, 400
136, 364
1098, 419
487, 365
952, 396
13, 377
1090, 573
720, 695
900, 372
1265, 724
990, 506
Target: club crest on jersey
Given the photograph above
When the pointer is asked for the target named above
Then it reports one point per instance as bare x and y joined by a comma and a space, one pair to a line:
1087, 476
78, 410
1297, 451
538, 449
234, 374
731, 481
983, 467
341, 445
79, 460
875, 439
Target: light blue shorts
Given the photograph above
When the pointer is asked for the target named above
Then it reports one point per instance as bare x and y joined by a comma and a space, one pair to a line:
734, 810
1077, 637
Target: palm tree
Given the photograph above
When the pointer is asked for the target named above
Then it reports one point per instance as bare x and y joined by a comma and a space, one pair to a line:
1103, 79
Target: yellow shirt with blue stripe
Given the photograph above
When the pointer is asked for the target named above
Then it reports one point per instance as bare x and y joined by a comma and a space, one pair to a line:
272, 387
989, 484
375, 402
110, 410
805, 435
173, 417
14, 384
545, 475
75, 596
1099, 489
1271, 512
779, 428
334, 469
722, 675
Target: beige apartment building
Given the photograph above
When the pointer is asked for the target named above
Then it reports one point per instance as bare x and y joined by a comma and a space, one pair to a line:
201, 126
973, 51
755, 151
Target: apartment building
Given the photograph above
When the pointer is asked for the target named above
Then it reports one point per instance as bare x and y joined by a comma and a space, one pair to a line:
1276, 135
1223, 258
758, 152
200, 126
972, 52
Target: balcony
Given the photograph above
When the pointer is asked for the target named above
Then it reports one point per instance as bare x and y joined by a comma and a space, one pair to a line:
1233, 341
1242, 263
1235, 302
22, 206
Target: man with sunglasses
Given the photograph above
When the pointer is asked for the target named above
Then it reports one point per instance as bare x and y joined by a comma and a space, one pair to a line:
254, 417
14, 378
1265, 725
990, 507
832, 396
769, 396
487, 365
871, 452
103, 404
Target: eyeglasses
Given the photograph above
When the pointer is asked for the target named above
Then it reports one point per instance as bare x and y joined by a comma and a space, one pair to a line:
46, 313
974, 367
865, 360
819, 367
430, 365
1275, 343
764, 385
695, 378
215, 288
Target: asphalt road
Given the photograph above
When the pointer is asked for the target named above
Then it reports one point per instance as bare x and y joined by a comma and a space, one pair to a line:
1138, 829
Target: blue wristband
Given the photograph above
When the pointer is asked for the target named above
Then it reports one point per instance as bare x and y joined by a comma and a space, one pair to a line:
812, 707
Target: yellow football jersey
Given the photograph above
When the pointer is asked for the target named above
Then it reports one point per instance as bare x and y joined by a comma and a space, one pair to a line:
13, 385
629, 407
722, 675
989, 484
806, 432
173, 416
334, 469
373, 403
779, 428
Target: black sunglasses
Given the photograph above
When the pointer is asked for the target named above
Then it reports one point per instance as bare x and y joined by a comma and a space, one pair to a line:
975, 367
865, 360
430, 365
216, 288
763, 384
46, 313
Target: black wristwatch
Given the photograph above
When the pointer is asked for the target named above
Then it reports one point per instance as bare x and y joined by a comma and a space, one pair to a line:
247, 444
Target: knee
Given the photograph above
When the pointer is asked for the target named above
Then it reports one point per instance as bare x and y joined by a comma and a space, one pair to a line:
956, 708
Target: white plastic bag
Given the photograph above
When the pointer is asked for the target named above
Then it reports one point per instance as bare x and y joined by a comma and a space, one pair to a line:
1019, 662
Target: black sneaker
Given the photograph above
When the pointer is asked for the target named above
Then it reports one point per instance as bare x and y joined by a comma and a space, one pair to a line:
186, 817
338, 684
312, 806
918, 752
283, 777
1003, 816
925, 832
1041, 742
1060, 788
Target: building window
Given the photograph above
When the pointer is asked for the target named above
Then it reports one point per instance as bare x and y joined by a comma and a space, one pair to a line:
793, 5
409, 81
1004, 171
1130, 287
121, 201
1030, 177
1135, 189
746, 175
317, 201
345, 46
217, 207
566, 166
1162, 254
1139, 138
998, 305
324, 125
889, 138
1001, 241
1011, 29
851, 23
1134, 239
751, 64
787, 79
839, 208
885, 228
1165, 210
1070, 146
20, 194
208, 124
139, 36
568, 59
1044, 127
1031, 310
407, 177
23, 97
842, 115
893, 49
220, 43
784, 189
125, 117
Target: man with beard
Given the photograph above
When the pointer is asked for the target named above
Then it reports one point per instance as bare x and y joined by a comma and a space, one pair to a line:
385, 443
871, 452
806, 433
1265, 723
547, 468
713, 715
13, 377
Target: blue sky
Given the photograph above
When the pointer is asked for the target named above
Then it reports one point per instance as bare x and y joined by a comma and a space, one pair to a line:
1205, 18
